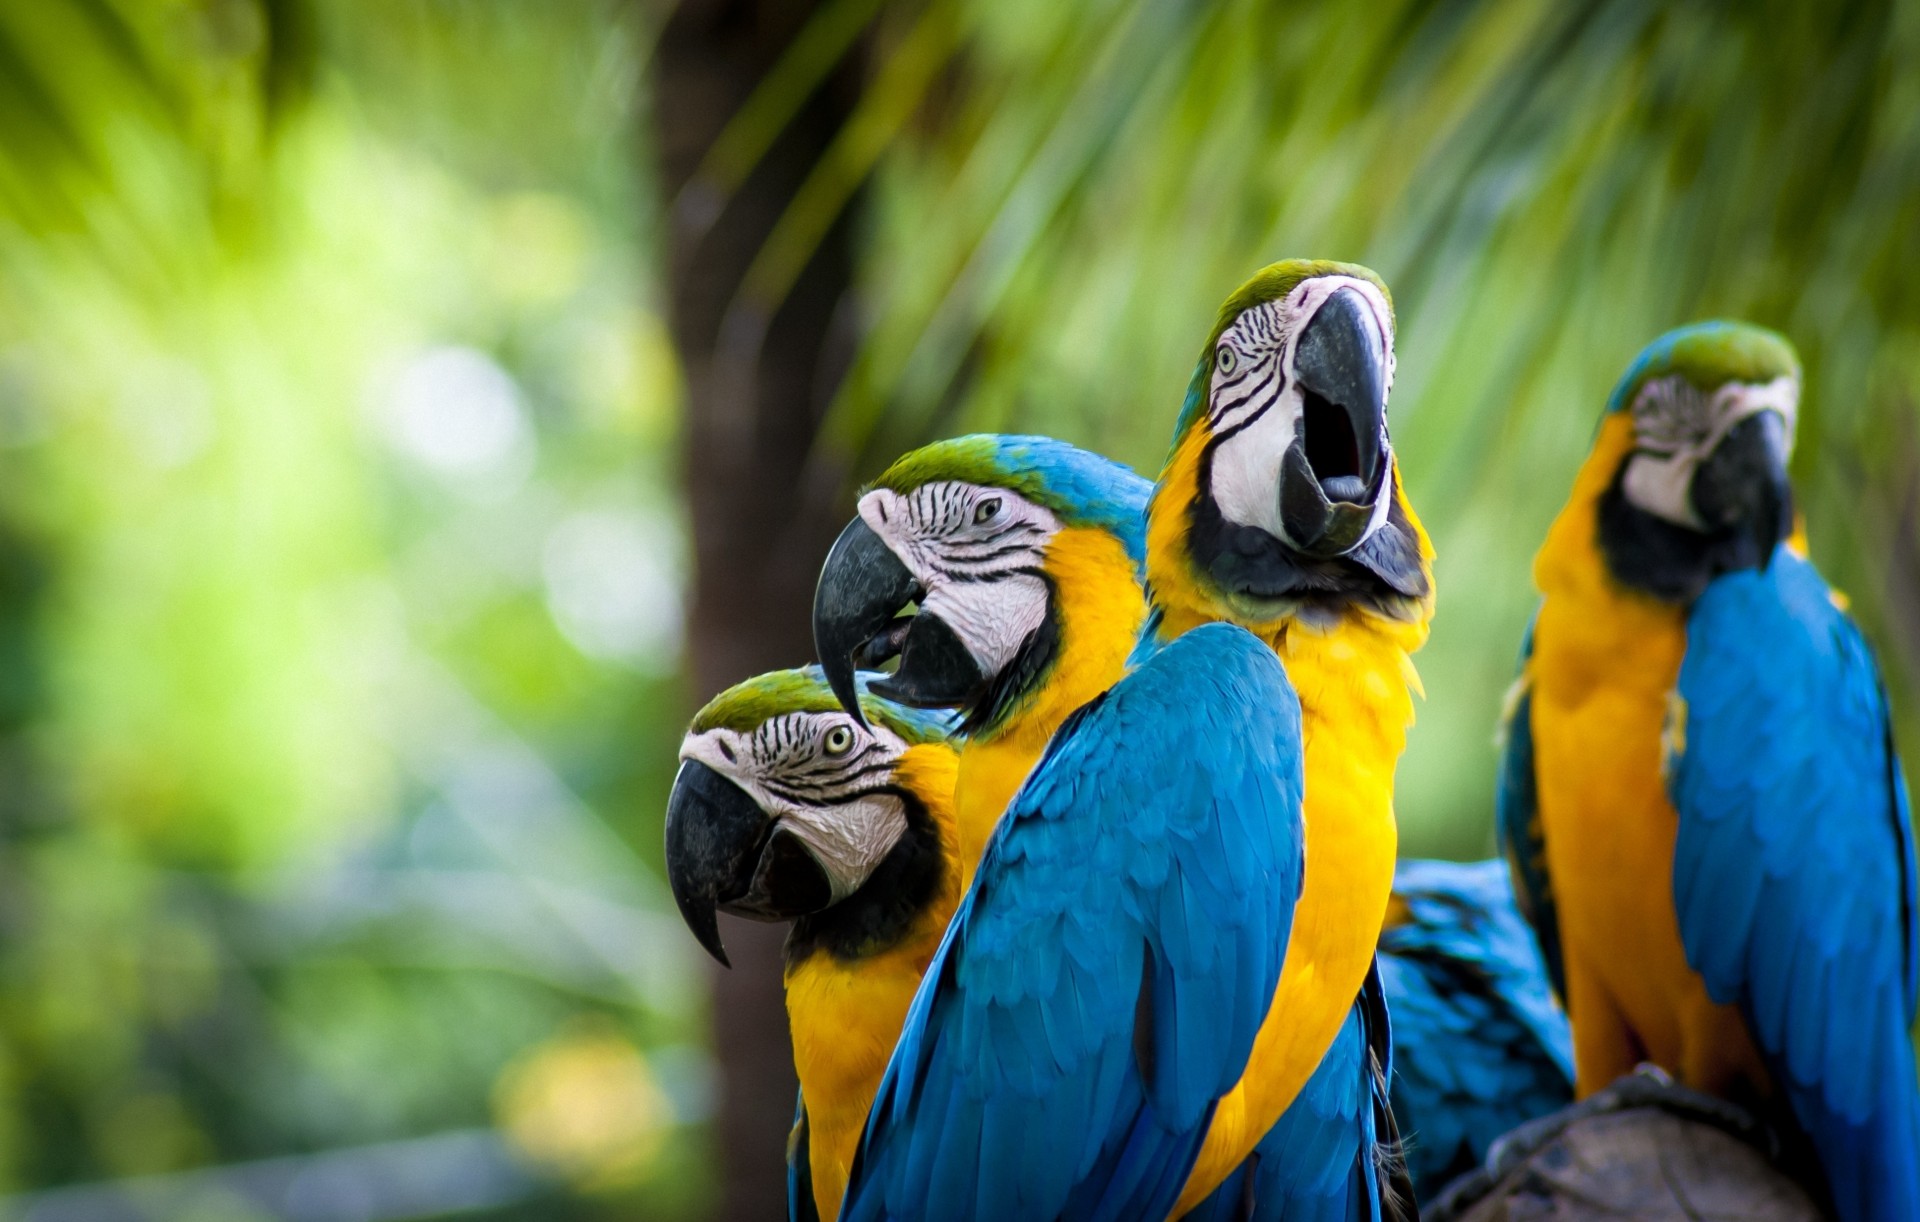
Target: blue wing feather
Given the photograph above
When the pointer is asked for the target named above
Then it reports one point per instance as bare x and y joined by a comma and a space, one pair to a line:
1317, 1163
800, 1203
1517, 825
1480, 1045
1793, 868
1148, 869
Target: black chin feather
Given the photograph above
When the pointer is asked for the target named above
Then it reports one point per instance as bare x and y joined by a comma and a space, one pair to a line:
1382, 575
1674, 563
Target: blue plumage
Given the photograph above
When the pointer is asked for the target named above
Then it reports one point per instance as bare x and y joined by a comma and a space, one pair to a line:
801, 1206
1319, 1162
1480, 1045
1103, 980
1517, 827
1794, 868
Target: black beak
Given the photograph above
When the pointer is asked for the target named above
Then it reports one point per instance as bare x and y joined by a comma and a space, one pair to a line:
1335, 470
724, 853
1742, 486
862, 587
936, 669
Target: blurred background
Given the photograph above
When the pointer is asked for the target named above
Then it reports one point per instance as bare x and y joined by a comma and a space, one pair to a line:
411, 409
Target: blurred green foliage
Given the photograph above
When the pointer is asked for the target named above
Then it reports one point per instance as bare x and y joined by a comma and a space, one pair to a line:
339, 560
1545, 186
339, 591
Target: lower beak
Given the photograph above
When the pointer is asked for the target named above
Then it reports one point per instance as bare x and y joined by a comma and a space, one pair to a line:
725, 854
1742, 486
936, 669
862, 587
1334, 473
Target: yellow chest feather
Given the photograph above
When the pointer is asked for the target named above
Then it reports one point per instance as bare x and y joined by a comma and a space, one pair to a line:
845, 1015
1099, 608
1605, 660
1356, 683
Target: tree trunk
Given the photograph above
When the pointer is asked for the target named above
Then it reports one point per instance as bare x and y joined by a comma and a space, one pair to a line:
757, 387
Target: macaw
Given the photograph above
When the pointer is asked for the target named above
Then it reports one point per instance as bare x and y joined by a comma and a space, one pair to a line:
1702, 801
1329, 558
785, 808
1480, 1046
1025, 556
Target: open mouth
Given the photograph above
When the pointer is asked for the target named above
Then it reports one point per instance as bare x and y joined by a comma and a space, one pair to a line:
884, 646
1332, 449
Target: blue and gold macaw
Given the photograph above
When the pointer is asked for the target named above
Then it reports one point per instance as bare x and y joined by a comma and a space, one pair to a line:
1078, 520
1290, 395
1703, 803
1480, 1047
1025, 556
786, 808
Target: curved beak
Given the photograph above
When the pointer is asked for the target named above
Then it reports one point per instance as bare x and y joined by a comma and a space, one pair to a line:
725, 854
1742, 485
1334, 473
862, 587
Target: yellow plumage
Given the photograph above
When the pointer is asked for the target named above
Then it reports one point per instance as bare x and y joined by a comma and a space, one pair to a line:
1097, 598
1356, 683
1604, 661
846, 1015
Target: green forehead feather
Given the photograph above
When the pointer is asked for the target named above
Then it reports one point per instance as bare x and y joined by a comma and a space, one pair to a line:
1708, 355
973, 459
746, 706
1081, 487
1276, 280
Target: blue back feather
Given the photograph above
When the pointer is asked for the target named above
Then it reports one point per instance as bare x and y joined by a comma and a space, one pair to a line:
1149, 866
1480, 1045
1517, 828
1793, 870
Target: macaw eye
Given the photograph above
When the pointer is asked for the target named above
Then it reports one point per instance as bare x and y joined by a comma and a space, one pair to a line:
1226, 359
986, 511
839, 740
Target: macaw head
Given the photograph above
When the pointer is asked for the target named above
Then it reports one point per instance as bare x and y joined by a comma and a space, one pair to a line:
974, 532
784, 805
1697, 435
1280, 496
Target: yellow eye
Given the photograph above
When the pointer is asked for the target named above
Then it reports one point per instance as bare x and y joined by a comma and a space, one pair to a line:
1226, 359
986, 511
839, 740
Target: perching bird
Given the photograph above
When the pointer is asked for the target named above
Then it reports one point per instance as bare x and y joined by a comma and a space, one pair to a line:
1702, 800
1479, 1045
1126, 791
787, 809
1280, 509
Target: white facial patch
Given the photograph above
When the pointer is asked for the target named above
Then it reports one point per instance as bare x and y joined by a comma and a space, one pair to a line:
1255, 402
1676, 427
976, 552
835, 804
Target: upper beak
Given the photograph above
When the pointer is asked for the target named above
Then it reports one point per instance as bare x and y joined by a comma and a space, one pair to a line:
862, 587
1742, 485
1332, 475
723, 852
